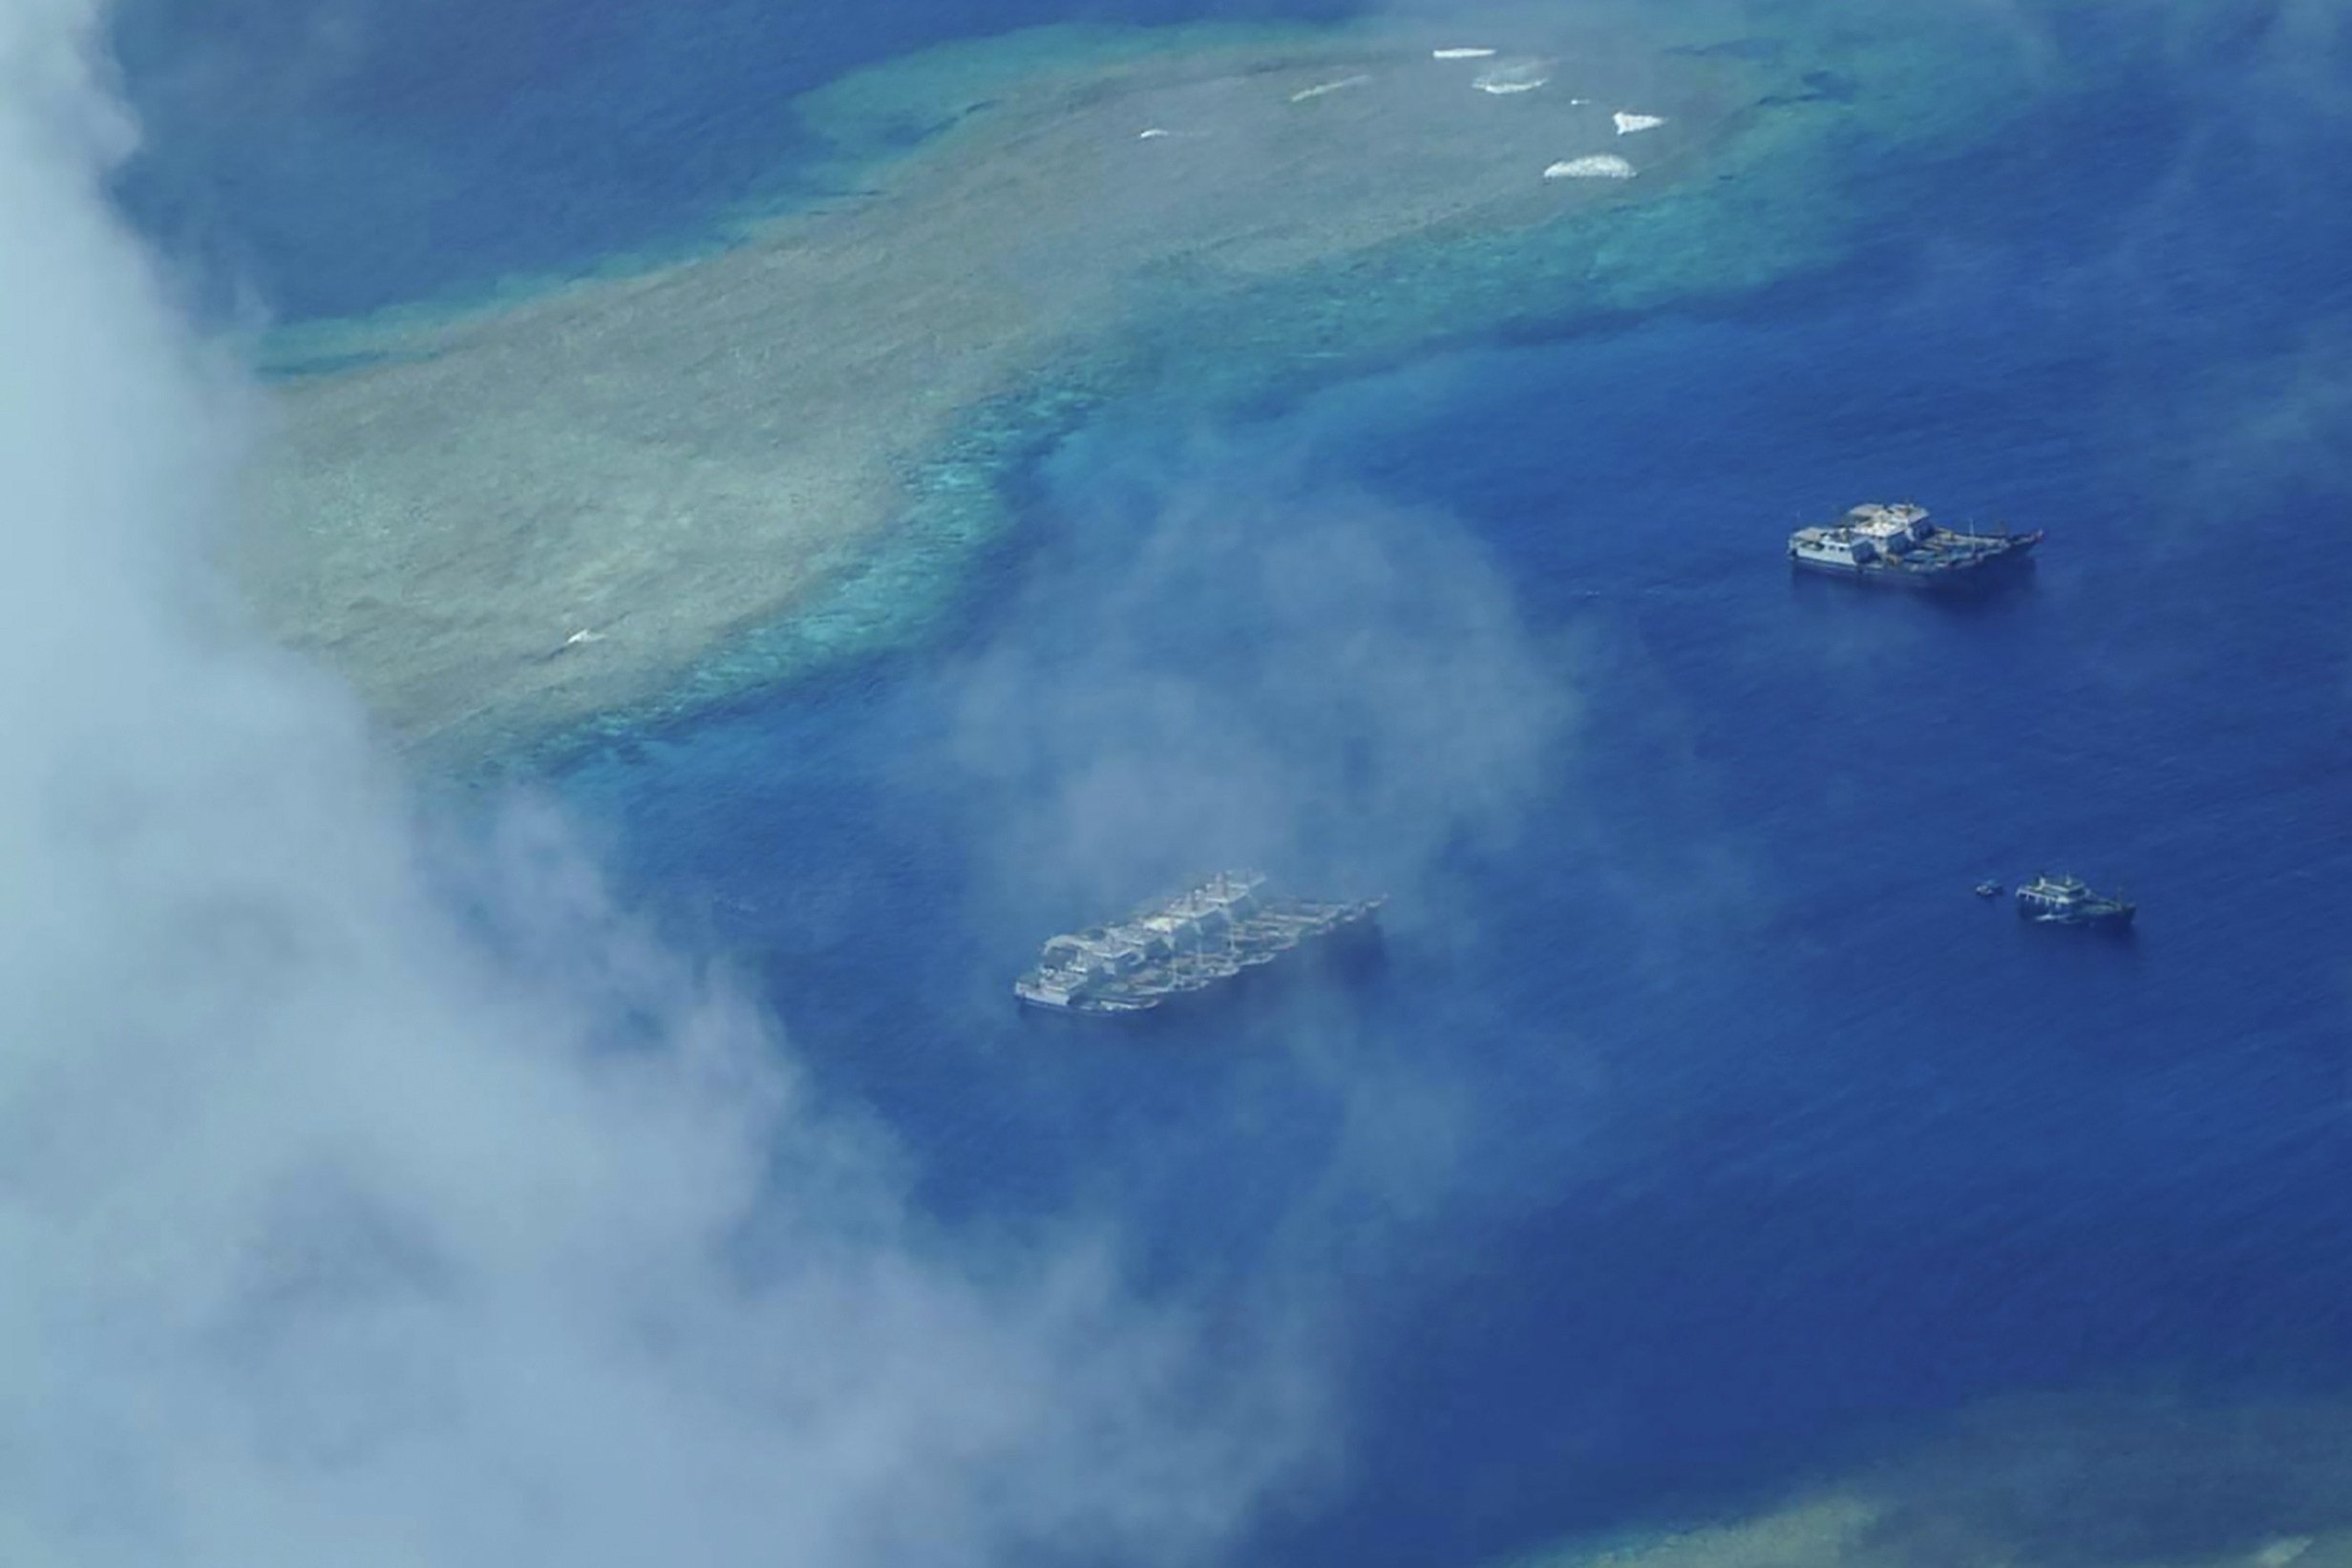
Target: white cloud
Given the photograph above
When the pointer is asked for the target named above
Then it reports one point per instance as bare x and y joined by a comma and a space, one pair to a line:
333, 1229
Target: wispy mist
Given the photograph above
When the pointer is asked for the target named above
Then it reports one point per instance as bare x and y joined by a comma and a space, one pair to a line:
341, 1227
1273, 671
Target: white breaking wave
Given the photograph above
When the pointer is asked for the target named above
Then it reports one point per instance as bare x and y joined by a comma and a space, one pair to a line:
1597, 166
1517, 76
1321, 88
1460, 53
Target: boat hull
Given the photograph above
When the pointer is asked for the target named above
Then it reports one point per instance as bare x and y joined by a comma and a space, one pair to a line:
2111, 916
1954, 578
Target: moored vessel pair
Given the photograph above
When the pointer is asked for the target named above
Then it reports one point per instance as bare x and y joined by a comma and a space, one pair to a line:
1203, 937
2063, 900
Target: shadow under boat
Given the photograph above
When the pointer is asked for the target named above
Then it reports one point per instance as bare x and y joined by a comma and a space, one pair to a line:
1984, 591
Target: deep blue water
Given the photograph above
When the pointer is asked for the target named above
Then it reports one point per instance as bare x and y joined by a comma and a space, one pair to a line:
1699, 1131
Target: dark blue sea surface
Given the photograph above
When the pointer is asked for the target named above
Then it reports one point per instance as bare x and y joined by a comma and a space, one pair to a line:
1700, 1132
1697, 1132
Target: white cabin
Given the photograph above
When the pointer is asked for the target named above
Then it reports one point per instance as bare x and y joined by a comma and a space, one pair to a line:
1867, 532
1894, 528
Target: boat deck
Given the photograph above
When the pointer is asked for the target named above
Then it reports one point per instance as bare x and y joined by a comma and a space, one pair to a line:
1192, 957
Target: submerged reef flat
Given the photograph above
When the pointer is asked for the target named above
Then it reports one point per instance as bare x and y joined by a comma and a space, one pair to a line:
1841, 1532
1852, 1533
633, 491
2053, 1481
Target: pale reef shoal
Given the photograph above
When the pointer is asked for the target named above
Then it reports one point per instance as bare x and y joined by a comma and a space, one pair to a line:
505, 522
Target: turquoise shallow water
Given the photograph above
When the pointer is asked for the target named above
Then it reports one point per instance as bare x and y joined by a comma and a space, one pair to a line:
1698, 1134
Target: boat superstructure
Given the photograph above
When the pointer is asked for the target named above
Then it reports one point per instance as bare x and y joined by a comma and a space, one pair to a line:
1207, 933
2068, 900
1894, 542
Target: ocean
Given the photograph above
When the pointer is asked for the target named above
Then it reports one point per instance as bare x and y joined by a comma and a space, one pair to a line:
1698, 1134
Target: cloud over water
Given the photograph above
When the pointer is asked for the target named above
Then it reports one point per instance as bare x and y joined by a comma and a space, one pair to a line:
371, 1194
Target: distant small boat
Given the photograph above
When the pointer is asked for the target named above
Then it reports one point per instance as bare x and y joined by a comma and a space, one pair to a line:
1989, 890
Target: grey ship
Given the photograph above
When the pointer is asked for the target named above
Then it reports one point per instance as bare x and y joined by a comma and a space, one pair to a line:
1198, 939
1878, 542
2066, 901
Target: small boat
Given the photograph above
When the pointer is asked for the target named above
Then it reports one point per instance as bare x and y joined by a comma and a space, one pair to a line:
2065, 901
1989, 890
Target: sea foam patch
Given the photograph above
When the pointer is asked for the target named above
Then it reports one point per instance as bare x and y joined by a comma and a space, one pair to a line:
1514, 76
